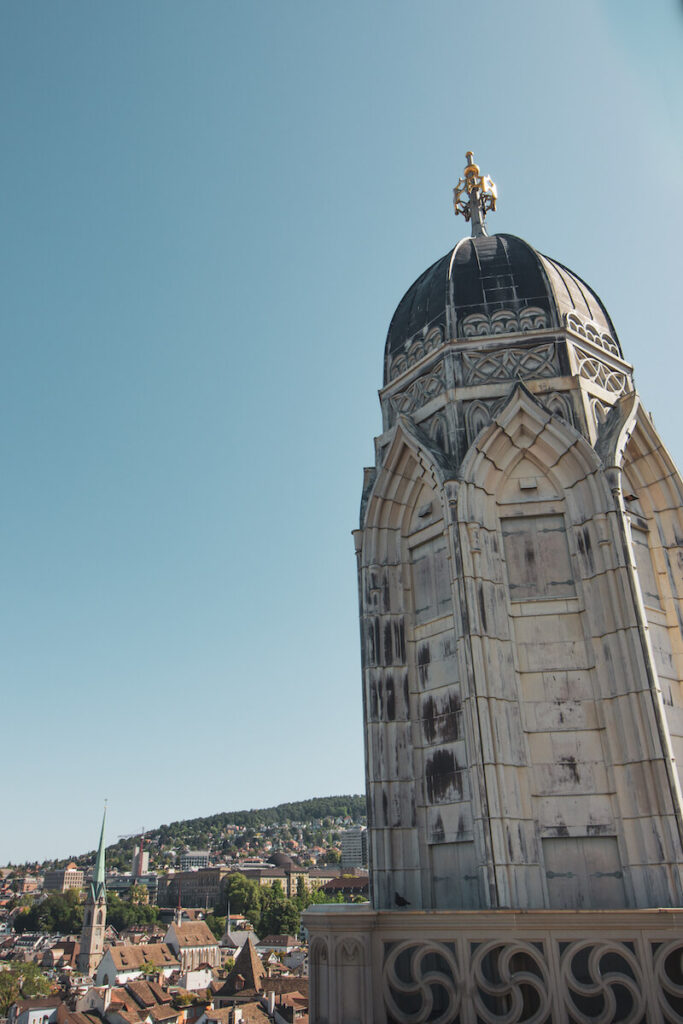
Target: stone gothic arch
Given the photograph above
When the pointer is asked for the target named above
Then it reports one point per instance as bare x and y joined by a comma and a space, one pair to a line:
530, 479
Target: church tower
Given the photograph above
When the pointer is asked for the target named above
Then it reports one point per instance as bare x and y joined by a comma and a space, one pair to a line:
95, 914
520, 569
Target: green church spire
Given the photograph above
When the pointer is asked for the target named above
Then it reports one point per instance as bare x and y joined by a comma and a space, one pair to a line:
98, 878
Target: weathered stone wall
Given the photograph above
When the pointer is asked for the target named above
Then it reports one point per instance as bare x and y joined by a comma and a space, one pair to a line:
522, 702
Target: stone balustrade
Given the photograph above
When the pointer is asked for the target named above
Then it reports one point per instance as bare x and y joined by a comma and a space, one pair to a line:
495, 967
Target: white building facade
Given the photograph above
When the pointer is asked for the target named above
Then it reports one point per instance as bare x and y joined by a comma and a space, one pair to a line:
354, 847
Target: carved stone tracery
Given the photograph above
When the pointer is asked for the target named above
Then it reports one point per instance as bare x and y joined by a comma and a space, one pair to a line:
420, 391
591, 331
479, 413
503, 321
418, 348
510, 363
512, 982
544, 981
593, 369
422, 982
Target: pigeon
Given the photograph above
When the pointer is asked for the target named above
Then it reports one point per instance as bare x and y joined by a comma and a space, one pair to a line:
401, 901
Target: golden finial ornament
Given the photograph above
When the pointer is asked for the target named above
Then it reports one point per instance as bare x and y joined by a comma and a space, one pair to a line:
474, 195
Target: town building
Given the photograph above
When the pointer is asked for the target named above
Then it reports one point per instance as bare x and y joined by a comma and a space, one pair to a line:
63, 879
277, 944
194, 859
35, 1011
352, 886
194, 944
244, 981
520, 577
354, 847
121, 964
204, 887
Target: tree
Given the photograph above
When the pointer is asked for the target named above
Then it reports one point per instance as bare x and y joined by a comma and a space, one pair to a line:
59, 912
242, 892
320, 896
279, 913
138, 895
123, 914
216, 924
21, 981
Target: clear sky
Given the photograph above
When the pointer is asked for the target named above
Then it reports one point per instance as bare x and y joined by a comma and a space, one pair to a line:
208, 213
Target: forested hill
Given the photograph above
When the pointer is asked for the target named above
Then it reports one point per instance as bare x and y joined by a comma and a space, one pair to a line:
317, 816
305, 812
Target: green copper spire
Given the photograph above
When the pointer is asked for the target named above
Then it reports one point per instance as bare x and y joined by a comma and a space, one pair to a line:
98, 879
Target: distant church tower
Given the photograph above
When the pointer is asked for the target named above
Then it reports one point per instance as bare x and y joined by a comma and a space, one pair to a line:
95, 915
520, 560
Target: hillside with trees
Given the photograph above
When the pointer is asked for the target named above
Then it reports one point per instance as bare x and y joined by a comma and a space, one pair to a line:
317, 820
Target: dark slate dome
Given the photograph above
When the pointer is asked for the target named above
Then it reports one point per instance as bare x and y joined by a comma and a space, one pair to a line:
283, 860
481, 277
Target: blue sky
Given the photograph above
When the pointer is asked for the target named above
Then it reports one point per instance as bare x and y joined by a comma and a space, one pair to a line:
208, 213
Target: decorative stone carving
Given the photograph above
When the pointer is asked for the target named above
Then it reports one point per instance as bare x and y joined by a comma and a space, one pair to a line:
525, 980
560, 405
437, 427
668, 979
479, 414
600, 373
512, 982
510, 363
607, 977
591, 331
422, 979
350, 950
318, 950
599, 410
417, 350
420, 391
504, 321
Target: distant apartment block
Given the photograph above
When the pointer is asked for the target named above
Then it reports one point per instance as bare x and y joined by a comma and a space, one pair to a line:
354, 847
70, 877
194, 859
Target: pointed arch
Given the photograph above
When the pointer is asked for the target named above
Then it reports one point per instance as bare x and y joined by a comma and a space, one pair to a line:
529, 482
404, 536
407, 457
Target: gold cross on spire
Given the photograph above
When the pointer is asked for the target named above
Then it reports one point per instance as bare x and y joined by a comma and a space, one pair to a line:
474, 195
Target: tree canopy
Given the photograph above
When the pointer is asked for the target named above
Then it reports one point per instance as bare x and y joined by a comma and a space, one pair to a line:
59, 912
21, 981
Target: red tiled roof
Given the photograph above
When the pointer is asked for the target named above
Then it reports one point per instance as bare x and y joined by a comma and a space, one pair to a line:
194, 933
132, 958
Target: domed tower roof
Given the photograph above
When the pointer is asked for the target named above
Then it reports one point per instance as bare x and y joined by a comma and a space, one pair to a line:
487, 286
484, 276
